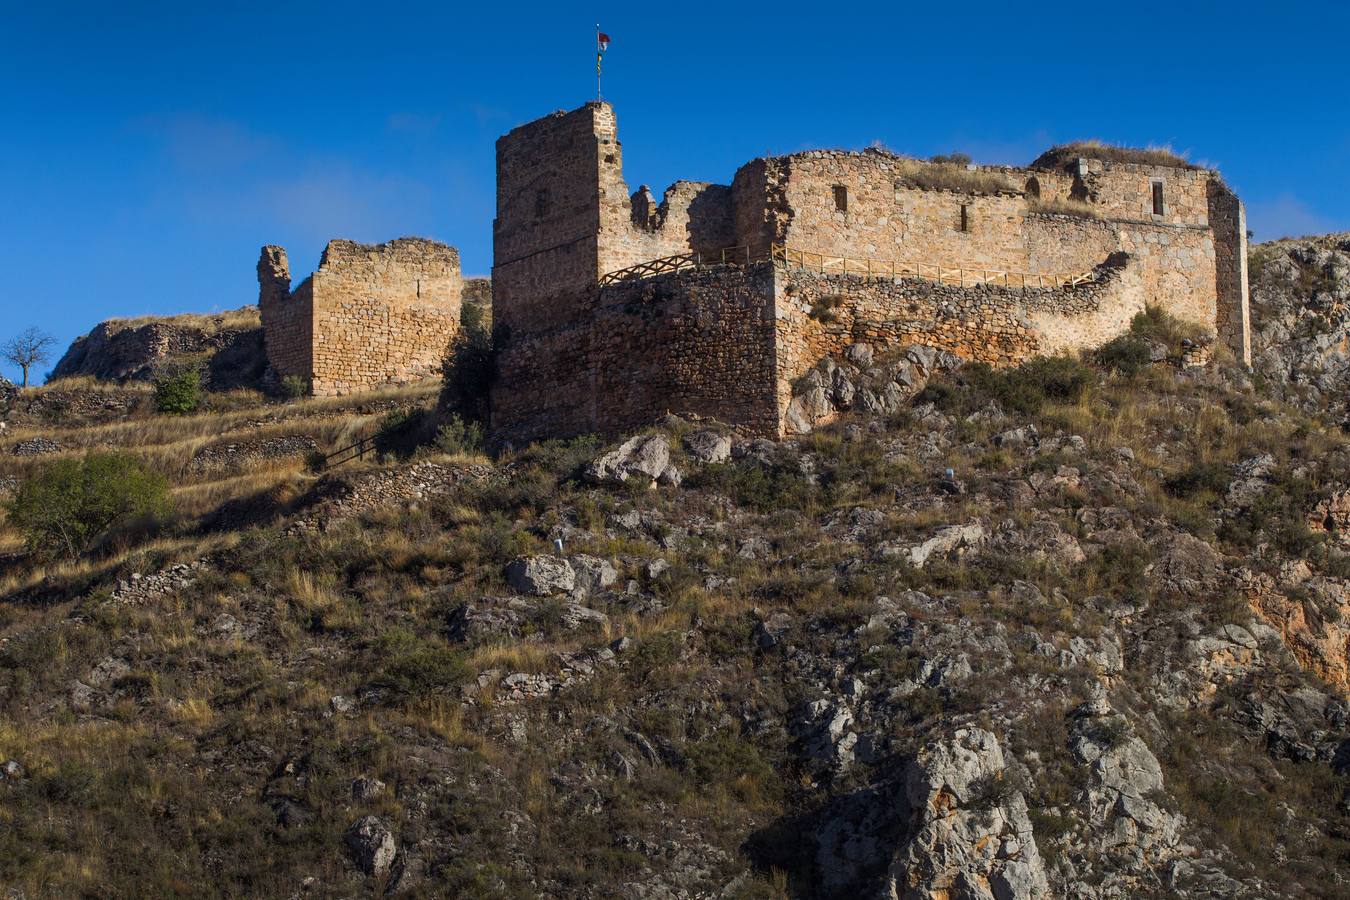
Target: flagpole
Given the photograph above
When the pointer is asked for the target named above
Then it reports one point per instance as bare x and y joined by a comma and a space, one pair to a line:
598, 97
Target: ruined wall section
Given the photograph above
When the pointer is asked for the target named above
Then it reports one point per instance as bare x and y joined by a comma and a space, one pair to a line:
370, 315
287, 317
885, 217
1228, 219
997, 325
383, 314
697, 342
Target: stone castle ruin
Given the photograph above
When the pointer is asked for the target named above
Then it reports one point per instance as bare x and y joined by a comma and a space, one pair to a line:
370, 315
612, 309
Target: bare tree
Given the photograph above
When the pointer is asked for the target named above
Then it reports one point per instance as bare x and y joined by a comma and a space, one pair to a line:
27, 350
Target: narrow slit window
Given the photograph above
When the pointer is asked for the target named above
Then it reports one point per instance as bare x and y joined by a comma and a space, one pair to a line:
541, 203
1158, 198
841, 198
965, 217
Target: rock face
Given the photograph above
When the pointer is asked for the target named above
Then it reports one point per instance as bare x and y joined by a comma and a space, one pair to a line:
1300, 292
541, 576
835, 386
371, 845
645, 456
971, 836
118, 351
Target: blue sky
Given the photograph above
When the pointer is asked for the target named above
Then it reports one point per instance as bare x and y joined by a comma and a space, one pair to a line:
149, 149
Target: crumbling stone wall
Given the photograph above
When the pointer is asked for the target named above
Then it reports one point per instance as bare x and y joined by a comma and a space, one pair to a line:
820, 315
370, 315
698, 342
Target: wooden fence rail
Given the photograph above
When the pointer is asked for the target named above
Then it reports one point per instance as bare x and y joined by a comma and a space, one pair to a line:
958, 275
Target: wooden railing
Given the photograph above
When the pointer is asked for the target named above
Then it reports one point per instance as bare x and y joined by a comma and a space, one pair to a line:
732, 256
366, 446
350, 452
957, 275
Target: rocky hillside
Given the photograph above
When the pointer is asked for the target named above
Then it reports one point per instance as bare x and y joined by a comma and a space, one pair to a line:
1301, 321
228, 345
1069, 630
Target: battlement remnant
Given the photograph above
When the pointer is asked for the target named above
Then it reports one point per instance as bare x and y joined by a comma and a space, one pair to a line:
370, 315
579, 352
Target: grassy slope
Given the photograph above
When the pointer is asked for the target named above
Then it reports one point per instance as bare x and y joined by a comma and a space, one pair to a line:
171, 783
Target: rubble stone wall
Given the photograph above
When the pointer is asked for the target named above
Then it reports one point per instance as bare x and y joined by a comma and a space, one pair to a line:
698, 342
820, 315
370, 315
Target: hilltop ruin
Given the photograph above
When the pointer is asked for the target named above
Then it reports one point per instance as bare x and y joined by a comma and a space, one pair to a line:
612, 309
370, 315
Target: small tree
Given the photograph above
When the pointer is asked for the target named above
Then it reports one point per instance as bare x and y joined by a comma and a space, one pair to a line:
27, 350
72, 502
178, 393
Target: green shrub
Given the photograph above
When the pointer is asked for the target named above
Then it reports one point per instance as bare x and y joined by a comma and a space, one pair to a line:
1027, 388
67, 506
1211, 477
1127, 354
294, 387
416, 666
467, 369
178, 393
459, 436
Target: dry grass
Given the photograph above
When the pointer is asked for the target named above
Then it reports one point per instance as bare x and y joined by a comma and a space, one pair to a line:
90, 383
930, 176
210, 323
1062, 206
1095, 149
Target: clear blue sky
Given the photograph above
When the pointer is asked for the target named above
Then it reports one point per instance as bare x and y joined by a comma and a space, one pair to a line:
149, 149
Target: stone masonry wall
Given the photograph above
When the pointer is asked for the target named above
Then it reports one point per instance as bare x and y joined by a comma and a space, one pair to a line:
287, 317
370, 315
820, 315
565, 217
1233, 314
698, 342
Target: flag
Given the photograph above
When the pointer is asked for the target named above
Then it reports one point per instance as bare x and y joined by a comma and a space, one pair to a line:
601, 45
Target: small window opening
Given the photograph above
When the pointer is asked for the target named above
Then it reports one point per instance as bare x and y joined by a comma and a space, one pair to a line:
541, 202
1158, 198
841, 198
609, 158
1033, 188
965, 217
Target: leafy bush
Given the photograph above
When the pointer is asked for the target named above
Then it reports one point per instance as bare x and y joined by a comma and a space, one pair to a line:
468, 366
1028, 387
72, 502
955, 158
1211, 477
459, 436
1127, 354
416, 666
178, 393
294, 387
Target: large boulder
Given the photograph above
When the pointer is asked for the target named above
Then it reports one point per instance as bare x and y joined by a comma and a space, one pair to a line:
971, 836
541, 576
708, 446
371, 845
644, 456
